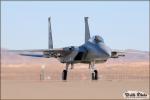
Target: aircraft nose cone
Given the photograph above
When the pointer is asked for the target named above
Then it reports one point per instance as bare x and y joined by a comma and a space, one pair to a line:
107, 53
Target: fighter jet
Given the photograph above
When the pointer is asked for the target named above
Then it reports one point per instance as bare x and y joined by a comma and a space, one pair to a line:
93, 51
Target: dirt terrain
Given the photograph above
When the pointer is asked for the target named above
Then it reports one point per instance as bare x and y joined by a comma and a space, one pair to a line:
20, 78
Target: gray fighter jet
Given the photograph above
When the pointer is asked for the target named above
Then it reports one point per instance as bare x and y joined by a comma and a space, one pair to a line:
93, 51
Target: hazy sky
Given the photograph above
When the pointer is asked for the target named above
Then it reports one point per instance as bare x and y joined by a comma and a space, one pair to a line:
123, 25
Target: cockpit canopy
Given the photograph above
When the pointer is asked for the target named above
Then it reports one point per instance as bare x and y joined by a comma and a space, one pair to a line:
97, 39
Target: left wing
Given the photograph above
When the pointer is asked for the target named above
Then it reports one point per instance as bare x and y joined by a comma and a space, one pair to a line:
45, 53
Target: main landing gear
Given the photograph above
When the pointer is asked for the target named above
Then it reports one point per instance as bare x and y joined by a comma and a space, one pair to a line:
64, 73
94, 72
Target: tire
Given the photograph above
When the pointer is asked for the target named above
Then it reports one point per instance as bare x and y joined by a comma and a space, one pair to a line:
96, 74
93, 76
64, 75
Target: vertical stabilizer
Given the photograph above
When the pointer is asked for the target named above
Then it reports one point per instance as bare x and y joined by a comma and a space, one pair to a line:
50, 39
87, 31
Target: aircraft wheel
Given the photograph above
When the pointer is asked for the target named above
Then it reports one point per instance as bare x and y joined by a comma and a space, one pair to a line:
93, 76
64, 75
96, 74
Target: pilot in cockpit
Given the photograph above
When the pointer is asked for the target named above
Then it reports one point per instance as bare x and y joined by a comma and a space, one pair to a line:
98, 39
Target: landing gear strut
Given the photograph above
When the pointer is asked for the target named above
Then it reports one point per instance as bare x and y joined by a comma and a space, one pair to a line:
94, 72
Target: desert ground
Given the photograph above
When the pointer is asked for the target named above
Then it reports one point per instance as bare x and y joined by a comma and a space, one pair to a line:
20, 78
102, 89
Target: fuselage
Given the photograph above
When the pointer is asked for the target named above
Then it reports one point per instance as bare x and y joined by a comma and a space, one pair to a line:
93, 50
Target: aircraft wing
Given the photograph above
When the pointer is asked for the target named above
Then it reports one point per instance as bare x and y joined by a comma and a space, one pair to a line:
45, 53
117, 54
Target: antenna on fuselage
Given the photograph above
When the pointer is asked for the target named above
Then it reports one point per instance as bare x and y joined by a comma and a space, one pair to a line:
50, 39
87, 31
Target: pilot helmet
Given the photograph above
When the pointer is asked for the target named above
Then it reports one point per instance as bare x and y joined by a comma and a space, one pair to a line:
98, 39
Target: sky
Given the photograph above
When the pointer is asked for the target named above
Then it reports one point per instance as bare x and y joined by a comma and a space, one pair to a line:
122, 24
